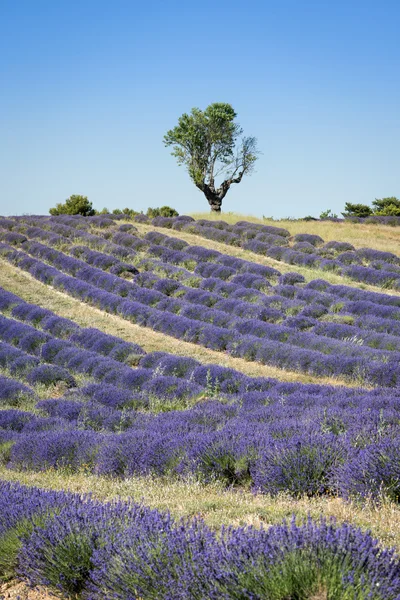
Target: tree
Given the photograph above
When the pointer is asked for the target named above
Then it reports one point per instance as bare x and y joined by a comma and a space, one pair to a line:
388, 207
356, 210
205, 142
74, 205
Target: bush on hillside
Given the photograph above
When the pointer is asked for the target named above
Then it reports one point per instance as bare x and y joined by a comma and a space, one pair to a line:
164, 211
381, 207
387, 207
74, 205
356, 210
328, 214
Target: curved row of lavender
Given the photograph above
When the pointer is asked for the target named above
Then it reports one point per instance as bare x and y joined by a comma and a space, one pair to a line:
370, 266
301, 341
373, 267
258, 432
81, 548
383, 268
127, 244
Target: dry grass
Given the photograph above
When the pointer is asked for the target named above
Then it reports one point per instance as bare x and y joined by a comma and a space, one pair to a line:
31, 290
308, 273
380, 237
217, 505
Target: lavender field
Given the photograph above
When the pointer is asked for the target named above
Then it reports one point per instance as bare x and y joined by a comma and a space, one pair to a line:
76, 399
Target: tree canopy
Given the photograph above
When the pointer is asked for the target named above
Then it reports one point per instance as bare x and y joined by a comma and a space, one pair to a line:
356, 210
74, 205
387, 207
210, 144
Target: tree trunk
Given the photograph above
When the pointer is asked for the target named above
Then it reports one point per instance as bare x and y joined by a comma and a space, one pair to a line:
215, 206
214, 199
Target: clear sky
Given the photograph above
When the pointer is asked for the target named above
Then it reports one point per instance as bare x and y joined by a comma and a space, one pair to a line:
88, 88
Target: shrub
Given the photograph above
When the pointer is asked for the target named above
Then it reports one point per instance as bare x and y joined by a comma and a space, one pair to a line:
49, 375
301, 465
356, 210
314, 240
373, 471
387, 207
164, 211
328, 214
74, 205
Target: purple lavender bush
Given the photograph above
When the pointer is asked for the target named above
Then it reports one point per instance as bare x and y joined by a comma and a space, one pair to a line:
81, 548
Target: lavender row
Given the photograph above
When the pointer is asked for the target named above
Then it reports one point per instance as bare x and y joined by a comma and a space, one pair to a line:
313, 300
33, 346
42, 358
246, 268
211, 259
268, 235
29, 339
210, 284
382, 270
297, 439
192, 296
381, 261
306, 463
52, 325
56, 361
248, 346
55, 232
214, 315
219, 338
290, 291
375, 219
13, 392
304, 303
172, 247
127, 550
243, 233
240, 266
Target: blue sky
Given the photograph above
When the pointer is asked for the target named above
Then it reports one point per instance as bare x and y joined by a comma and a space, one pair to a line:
88, 89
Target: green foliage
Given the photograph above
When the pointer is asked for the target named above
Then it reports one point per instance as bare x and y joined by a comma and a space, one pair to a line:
212, 388
327, 214
302, 574
74, 205
70, 563
11, 542
357, 210
129, 212
388, 207
202, 135
164, 211
205, 142
5, 452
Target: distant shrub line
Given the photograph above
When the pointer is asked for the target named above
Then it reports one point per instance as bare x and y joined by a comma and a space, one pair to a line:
80, 205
